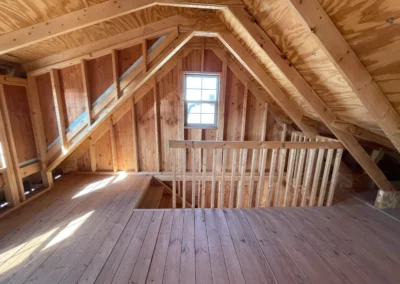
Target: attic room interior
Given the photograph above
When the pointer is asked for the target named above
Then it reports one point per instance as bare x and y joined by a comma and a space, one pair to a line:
199, 141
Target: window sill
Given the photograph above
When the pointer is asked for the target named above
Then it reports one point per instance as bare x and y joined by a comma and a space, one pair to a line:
201, 127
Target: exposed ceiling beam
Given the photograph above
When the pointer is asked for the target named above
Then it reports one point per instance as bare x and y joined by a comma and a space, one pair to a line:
92, 15
363, 133
252, 66
126, 93
120, 41
275, 110
314, 17
250, 32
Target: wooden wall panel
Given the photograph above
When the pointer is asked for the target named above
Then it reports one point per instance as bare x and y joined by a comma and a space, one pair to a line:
124, 142
255, 116
47, 107
83, 162
233, 107
72, 92
192, 62
103, 153
146, 132
18, 109
169, 104
128, 56
212, 63
100, 76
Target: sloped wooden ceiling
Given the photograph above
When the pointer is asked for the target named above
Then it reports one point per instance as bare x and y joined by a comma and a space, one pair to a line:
104, 30
369, 27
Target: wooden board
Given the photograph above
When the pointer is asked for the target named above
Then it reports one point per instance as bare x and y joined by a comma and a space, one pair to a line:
83, 162
100, 76
18, 109
128, 56
370, 28
124, 142
146, 133
102, 30
72, 92
310, 60
103, 153
47, 107
169, 104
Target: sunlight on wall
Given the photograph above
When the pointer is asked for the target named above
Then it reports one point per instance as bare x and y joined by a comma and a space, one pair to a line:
69, 230
2, 158
94, 186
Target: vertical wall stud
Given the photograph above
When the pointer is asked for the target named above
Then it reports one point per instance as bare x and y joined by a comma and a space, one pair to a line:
37, 126
58, 103
86, 91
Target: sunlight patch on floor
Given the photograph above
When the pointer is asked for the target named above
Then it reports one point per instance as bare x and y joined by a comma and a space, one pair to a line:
120, 176
93, 187
32, 246
69, 230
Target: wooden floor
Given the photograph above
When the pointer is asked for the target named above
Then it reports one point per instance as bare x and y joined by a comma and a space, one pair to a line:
87, 230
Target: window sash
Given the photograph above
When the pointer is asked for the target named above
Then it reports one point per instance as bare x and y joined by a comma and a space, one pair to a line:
201, 101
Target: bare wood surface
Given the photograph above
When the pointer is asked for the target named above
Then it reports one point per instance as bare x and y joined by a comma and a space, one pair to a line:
112, 242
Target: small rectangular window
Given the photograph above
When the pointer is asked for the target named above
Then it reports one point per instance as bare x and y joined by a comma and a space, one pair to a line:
201, 100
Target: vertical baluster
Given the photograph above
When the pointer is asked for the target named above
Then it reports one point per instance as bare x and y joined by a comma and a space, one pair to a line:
271, 177
193, 178
260, 185
308, 173
174, 180
184, 178
233, 178
203, 179
289, 174
317, 174
214, 162
325, 177
299, 175
253, 169
222, 183
335, 174
282, 162
242, 177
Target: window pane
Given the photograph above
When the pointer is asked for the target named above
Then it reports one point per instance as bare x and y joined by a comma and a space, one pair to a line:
193, 82
209, 95
209, 83
208, 108
193, 108
193, 95
193, 118
207, 119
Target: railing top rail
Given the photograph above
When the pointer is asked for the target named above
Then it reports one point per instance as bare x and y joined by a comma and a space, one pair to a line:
322, 138
253, 144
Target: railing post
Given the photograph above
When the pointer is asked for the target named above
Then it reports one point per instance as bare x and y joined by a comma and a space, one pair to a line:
221, 187
174, 181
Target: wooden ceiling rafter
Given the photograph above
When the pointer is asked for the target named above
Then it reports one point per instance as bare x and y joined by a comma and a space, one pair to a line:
324, 31
249, 31
92, 15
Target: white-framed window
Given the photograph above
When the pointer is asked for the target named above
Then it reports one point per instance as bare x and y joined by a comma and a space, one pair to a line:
201, 93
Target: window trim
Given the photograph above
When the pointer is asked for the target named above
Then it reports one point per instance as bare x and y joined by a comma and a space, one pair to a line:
216, 102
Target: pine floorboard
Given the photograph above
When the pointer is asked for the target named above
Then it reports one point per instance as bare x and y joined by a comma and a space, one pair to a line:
88, 230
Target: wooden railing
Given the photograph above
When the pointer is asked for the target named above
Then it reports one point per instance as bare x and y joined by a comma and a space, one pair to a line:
250, 174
